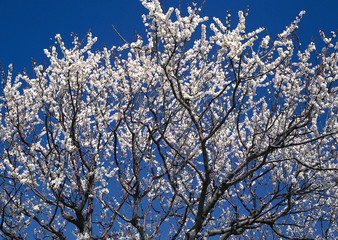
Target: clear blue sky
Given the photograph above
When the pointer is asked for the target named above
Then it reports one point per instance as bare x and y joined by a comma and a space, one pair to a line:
29, 26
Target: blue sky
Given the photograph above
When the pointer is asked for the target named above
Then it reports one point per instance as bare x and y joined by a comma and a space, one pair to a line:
29, 26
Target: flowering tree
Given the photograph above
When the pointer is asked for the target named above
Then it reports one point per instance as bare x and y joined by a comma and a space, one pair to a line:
195, 132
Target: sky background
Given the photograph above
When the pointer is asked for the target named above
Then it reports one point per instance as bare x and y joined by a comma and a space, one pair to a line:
29, 26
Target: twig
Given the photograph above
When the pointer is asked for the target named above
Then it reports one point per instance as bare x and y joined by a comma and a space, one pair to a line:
119, 34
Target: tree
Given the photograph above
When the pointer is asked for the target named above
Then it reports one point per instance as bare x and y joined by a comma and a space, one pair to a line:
193, 133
